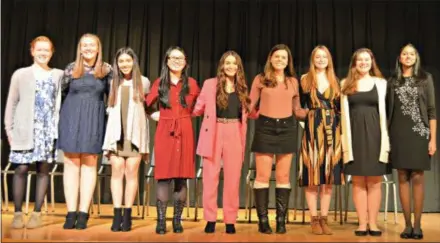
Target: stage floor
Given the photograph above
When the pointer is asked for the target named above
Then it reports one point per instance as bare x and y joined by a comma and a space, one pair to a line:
144, 230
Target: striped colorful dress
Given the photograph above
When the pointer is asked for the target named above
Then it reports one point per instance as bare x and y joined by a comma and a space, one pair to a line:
321, 151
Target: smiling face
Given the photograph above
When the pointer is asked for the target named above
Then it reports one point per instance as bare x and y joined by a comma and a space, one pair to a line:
408, 56
176, 61
230, 66
89, 48
320, 59
42, 52
279, 60
363, 63
125, 63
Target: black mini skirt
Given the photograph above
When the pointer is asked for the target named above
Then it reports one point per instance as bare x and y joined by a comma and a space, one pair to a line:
274, 135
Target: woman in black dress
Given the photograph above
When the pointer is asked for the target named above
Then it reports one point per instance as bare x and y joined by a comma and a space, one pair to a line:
365, 142
412, 121
81, 127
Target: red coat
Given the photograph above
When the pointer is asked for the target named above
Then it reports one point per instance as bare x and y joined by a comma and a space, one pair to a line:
174, 139
206, 103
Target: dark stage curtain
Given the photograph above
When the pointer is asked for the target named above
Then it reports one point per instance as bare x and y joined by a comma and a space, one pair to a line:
207, 28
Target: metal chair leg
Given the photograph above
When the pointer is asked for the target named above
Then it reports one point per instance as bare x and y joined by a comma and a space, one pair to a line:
144, 196
196, 201
187, 198
303, 202
340, 205
335, 199
52, 192
347, 187
138, 202
28, 192
99, 196
251, 203
395, 203
5, 189
246, 201
386, 202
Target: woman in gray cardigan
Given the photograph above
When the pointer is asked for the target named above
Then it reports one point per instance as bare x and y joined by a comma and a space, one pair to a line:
413, 127
31, 119
127, 135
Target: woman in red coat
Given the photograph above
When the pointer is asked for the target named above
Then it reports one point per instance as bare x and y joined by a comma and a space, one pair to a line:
174, 139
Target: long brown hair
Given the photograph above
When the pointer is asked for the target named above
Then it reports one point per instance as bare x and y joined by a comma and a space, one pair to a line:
118, 76
78, 69
240, 83
269, 79
351, 81
309, 82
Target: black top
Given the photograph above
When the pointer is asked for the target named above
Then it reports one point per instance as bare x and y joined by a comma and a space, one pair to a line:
233, 110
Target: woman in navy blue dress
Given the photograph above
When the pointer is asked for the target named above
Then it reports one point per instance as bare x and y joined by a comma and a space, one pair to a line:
81, 127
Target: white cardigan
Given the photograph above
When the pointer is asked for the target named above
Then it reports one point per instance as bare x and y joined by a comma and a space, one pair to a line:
137, 125
347, 149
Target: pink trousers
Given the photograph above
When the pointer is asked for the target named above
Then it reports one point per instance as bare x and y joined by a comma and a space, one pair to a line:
227, 148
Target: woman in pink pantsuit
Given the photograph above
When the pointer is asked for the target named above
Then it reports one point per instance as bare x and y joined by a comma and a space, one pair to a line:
224, 101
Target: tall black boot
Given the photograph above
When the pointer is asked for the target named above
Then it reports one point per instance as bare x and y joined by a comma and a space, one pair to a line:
261, 203
161, 226
117, 219
177, 218
282, 203
126, 222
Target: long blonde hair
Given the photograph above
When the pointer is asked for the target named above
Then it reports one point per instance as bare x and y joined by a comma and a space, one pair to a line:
78, 69
309, 82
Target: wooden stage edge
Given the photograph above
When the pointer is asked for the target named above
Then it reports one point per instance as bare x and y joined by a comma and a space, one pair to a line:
144, 229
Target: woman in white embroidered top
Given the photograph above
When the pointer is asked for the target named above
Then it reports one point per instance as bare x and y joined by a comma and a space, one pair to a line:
127, 134
365, 142
31, 118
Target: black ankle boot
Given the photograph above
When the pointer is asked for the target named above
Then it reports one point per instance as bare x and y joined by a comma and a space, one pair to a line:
177, 218
81, 222
117, 220
261, 203
126, 223
230, 229
161, 226
210, 227
282, 203
70, 220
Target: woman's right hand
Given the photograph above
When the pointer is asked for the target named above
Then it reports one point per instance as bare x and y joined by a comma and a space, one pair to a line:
155, 116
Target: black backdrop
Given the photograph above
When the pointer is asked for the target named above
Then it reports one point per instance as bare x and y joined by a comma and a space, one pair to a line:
207, 28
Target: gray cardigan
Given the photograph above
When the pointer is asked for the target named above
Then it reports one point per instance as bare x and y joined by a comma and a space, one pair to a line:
19, 112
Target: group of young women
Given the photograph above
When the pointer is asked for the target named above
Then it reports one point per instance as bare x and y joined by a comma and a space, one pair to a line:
350, 127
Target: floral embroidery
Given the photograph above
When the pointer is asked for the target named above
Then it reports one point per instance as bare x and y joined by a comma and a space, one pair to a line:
408, 96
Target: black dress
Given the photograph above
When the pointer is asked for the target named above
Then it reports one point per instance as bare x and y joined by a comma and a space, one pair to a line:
366, 135
409, 136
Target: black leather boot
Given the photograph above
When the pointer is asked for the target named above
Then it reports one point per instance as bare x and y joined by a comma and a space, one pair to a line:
282, 203
70, 220
126, 222
261, 203
177, 218
117, 220
161, 226
81, 222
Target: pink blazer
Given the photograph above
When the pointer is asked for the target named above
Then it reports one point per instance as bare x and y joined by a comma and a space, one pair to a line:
206, 104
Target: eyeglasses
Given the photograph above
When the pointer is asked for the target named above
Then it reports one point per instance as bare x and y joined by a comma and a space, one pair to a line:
176, 59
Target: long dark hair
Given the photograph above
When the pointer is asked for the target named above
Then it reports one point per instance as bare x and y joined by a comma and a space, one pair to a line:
118, 76
164, 85
417, 72
240, 82
269, 79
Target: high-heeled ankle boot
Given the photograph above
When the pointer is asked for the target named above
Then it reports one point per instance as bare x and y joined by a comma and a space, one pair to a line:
177, 218
126, 221
282, 203
117, 220
70, 220
81, 222
161, 226
261, 203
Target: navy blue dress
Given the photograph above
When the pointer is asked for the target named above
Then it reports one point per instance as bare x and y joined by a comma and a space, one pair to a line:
82, 116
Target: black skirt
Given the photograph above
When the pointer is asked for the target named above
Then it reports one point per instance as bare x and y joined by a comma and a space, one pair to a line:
274, 135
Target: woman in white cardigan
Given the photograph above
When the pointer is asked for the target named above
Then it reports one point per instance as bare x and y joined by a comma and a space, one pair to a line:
365, 142
127, 134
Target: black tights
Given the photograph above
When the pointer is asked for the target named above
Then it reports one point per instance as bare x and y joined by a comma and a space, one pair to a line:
19, 184
180, 189
417, 180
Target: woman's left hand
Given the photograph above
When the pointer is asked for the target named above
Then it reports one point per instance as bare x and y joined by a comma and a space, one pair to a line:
432, 147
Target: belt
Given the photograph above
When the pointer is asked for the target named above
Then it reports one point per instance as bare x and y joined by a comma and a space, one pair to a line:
227, 120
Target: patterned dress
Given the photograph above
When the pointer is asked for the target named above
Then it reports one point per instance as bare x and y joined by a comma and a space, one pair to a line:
44, 126
409, 136
320, 158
